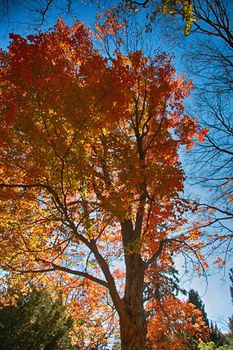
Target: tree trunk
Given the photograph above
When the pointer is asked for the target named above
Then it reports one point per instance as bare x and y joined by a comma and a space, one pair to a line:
132, 320
133, 335
132, 338
133, 326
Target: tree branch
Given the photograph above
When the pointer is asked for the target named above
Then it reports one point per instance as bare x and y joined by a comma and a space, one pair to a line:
158, 252
61, 268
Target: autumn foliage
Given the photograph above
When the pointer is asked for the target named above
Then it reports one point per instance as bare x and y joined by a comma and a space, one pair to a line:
91, 180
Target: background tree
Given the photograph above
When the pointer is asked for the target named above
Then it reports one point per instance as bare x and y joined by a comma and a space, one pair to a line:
215, 335
35, 322
194, 298
218, 341
171, 322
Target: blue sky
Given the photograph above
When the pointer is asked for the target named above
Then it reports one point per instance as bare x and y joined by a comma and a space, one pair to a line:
215, 294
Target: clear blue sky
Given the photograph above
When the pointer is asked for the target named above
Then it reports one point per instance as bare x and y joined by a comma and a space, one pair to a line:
19, 18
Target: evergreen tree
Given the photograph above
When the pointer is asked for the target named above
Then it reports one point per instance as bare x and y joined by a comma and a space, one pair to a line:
216, 335
35, 323
194, 298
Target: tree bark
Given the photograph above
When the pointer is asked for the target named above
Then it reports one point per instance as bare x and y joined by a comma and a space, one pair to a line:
133, 321
133, 325
132, 338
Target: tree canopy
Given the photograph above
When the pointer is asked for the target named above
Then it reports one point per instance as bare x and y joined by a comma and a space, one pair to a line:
91, 176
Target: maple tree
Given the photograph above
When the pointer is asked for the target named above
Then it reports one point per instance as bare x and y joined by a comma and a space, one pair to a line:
91, 180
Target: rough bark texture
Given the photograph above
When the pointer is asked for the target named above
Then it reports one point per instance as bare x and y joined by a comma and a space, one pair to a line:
133, 323
132, 338
133, 326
